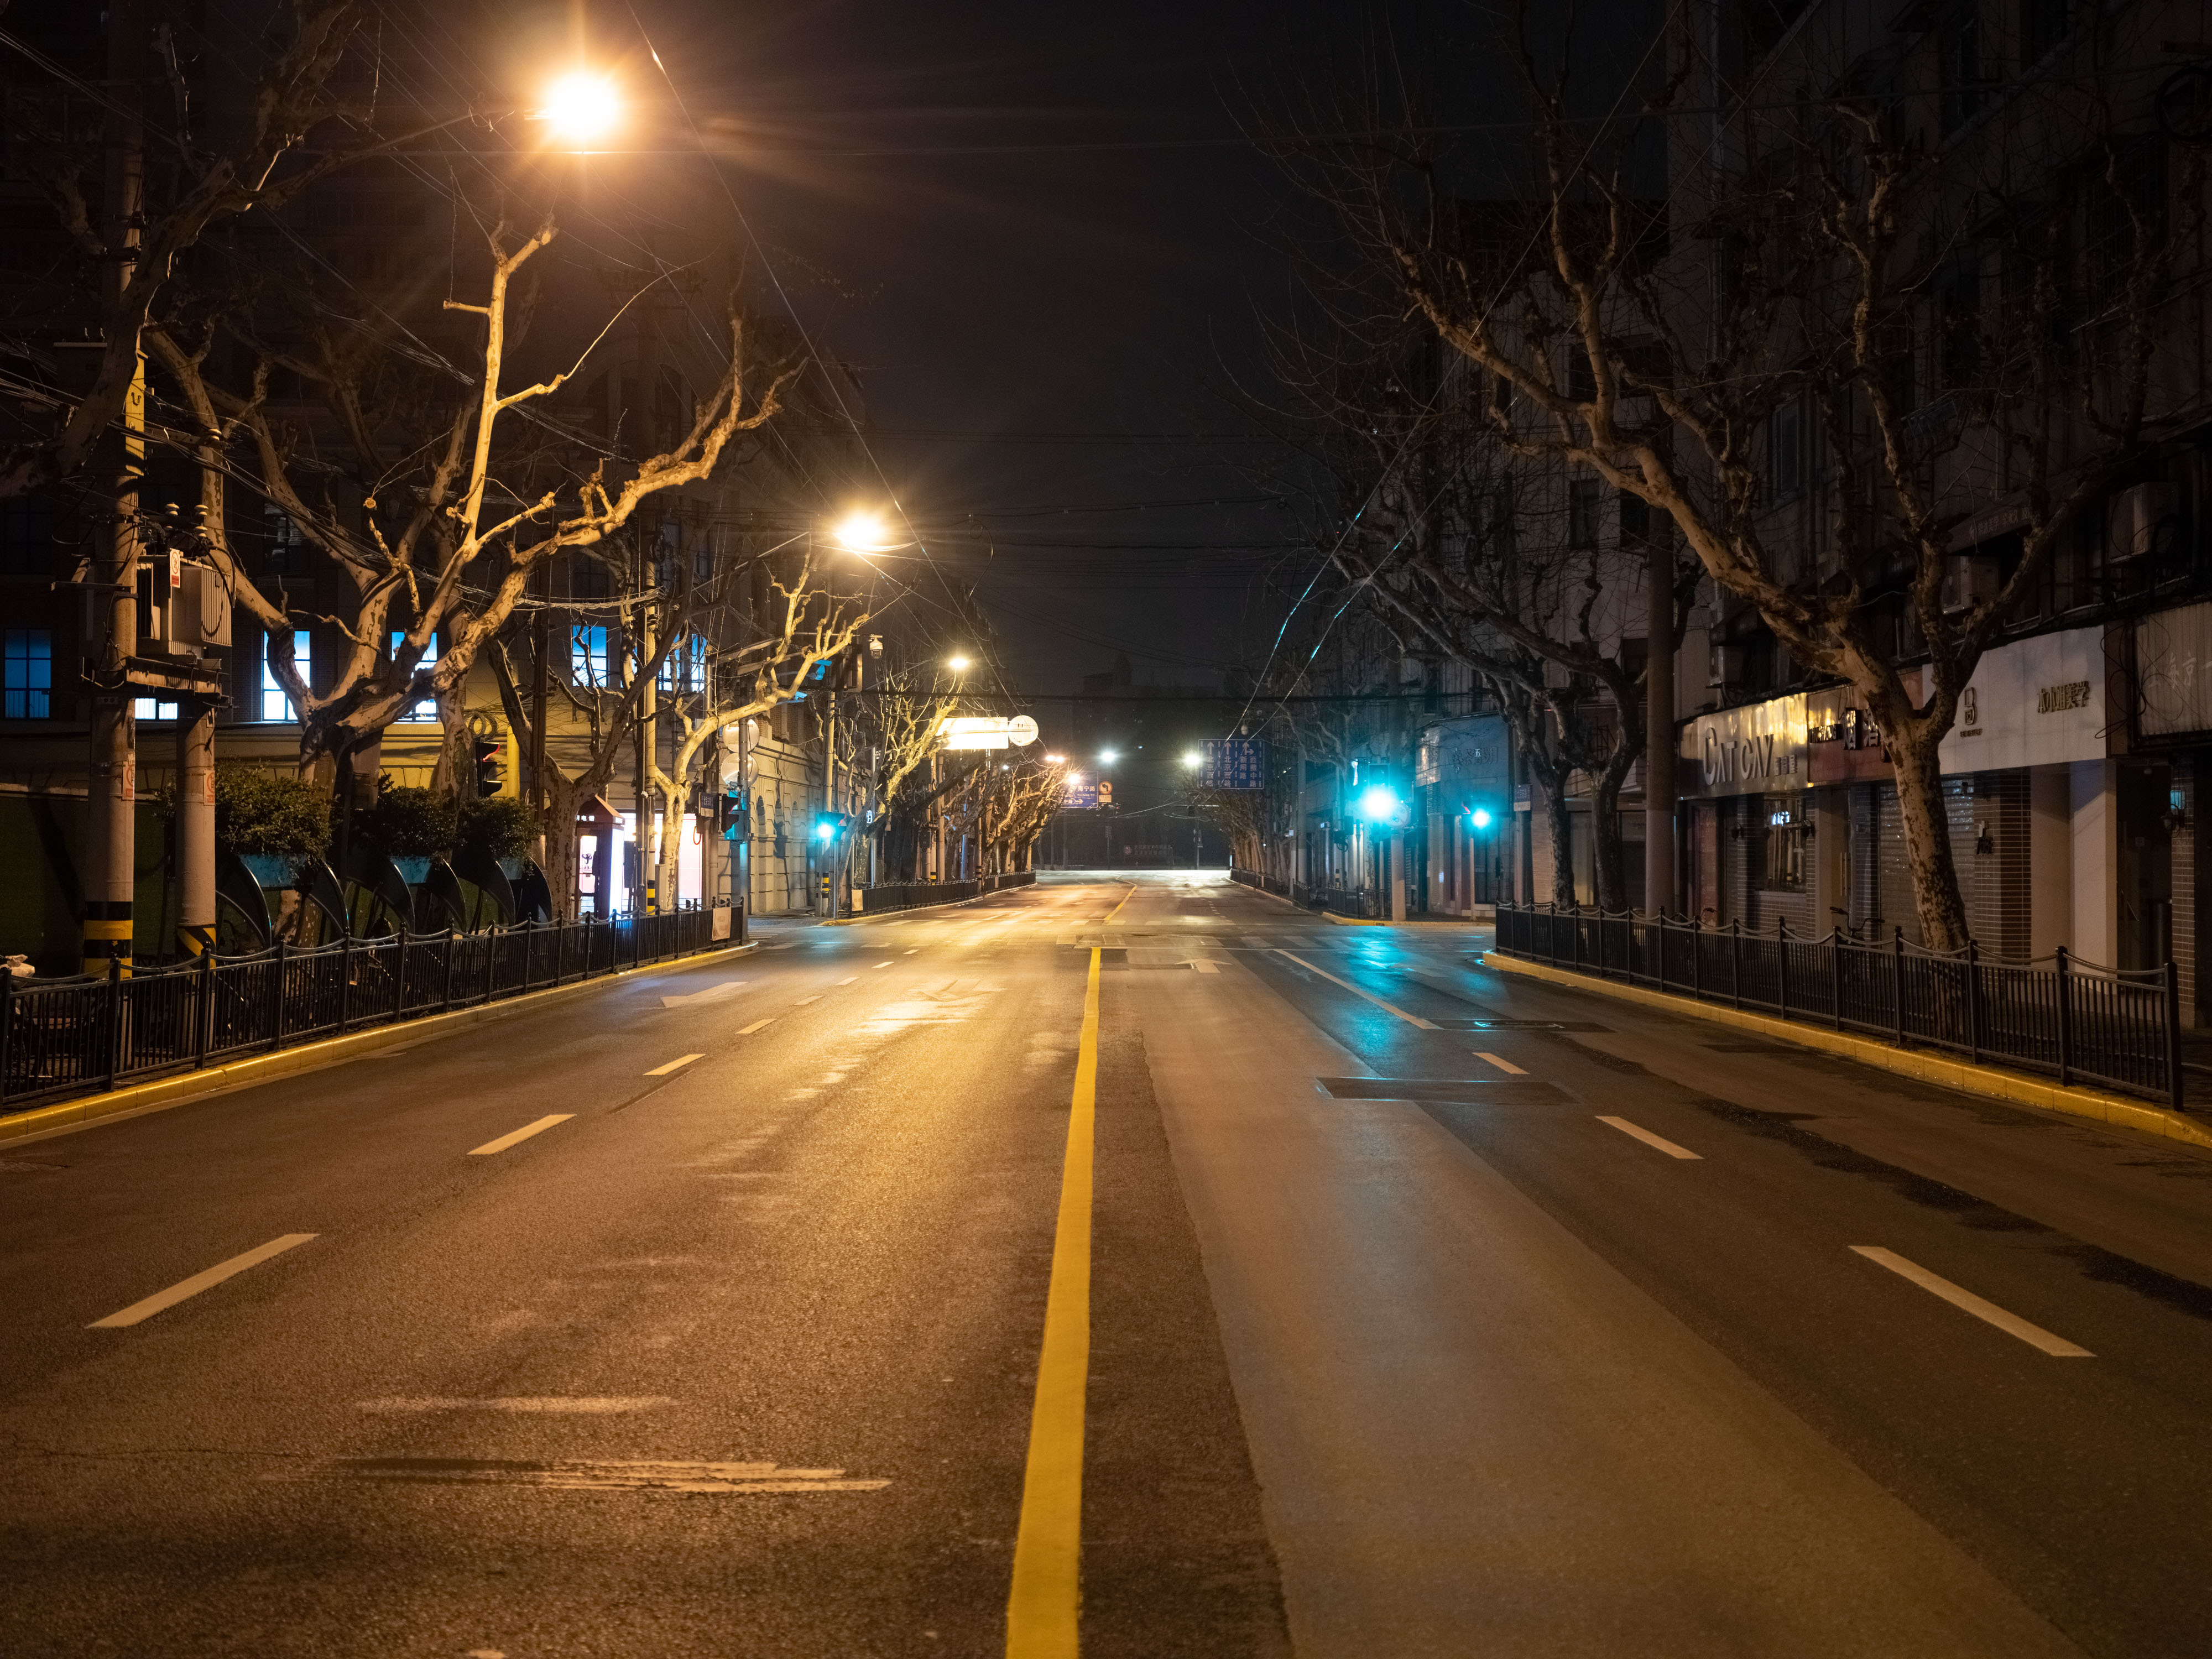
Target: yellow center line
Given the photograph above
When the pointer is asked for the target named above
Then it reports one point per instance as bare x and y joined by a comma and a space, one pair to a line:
1042, 1605
1116, 910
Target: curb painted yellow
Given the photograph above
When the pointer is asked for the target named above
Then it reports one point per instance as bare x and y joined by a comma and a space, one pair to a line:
137, 1099
1044, 1603
1950, 1073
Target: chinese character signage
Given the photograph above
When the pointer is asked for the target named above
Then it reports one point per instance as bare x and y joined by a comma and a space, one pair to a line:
1233, 764
1081, 794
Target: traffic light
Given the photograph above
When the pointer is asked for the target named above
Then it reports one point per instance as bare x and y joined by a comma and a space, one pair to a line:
491, 762
831, 826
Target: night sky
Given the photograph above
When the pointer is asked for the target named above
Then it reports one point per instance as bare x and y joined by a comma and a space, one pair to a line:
1043, 238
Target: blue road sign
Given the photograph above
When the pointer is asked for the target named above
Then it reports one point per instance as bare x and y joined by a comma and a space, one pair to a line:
1081, 794
1234, 764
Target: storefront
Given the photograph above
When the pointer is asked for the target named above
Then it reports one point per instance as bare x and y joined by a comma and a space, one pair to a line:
1790, 813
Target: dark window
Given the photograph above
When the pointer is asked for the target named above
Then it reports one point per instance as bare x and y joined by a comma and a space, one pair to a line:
29, 674
1635, 521
286, 545
2045, 23
1958, 324
1959, 49
26, 536
1583, 496
2127, 211
1785, 451
1582, 384
1501, 395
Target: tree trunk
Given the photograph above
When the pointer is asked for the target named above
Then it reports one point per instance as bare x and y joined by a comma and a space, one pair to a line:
1936, 897
1611, 861
1563, 852
671, 793
562, 800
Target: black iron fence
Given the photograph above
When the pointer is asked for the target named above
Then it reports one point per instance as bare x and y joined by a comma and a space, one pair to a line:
1337, 900
2058, 1015
72, 1036
911, 895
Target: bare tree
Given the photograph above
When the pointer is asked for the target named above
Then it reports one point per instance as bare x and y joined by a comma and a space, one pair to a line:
1829, 256
441, 542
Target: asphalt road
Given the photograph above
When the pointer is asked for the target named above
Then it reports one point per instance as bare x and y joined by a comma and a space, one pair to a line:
1430, 1311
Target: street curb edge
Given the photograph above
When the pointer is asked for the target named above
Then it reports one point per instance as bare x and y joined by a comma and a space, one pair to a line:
1962, 1075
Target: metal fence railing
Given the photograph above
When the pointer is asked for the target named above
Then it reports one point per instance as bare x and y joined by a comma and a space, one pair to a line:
2056, 1014
911, 894
1368, 906
79, 1036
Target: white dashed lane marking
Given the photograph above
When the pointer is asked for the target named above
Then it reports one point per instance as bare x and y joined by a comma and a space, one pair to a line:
1650, 1139
1960, 1297
523, 1134
199, 1282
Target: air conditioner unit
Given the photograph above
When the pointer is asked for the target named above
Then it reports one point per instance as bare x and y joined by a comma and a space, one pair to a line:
1969, 580
1727, 665
2143, 518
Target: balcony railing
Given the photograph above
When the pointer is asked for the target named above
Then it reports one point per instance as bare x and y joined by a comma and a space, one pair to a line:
2057, 1015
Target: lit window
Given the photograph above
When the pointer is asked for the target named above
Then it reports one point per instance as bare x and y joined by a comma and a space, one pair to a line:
428, 708
30, 674
684, 668
587, 655
275, 705
153, 708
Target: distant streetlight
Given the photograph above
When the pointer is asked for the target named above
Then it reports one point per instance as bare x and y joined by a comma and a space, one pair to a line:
862, 531
580, 108
1192, 759
1055, 760
957, 664
1106, 757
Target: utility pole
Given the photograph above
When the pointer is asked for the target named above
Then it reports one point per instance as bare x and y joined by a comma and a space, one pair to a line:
110, 865
196, 915
648, 745
540, 692
1659, 721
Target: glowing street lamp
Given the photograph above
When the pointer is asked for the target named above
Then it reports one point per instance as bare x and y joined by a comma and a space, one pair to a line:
1106, 757
862, 531
1193, 760
581, 108
957, 664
